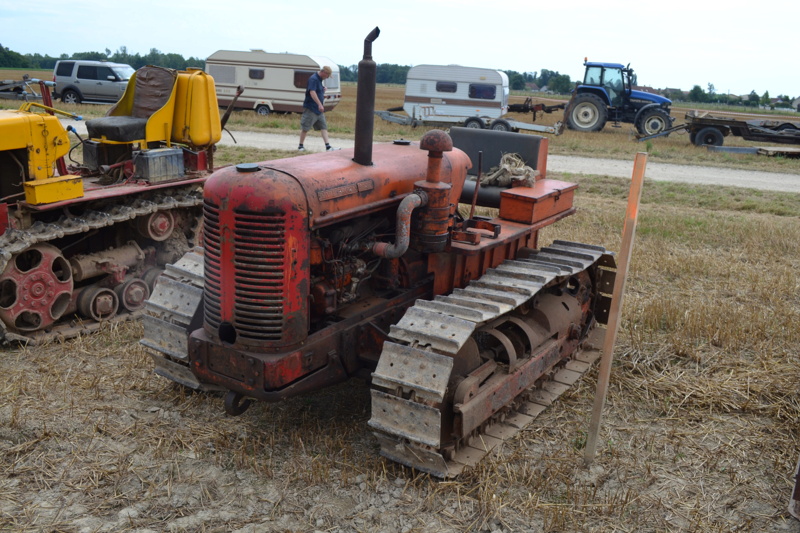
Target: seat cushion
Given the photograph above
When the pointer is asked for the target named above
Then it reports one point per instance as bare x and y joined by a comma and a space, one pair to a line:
122, 129
153, 88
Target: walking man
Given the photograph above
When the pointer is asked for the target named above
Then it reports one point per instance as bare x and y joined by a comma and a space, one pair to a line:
314, 109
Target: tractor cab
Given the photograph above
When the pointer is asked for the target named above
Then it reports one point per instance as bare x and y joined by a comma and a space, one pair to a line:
607, 94
613, 79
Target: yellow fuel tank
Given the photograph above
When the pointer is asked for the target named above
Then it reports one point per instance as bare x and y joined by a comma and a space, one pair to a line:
196, 121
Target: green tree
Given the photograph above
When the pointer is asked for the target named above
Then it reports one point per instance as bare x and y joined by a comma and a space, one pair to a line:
516, 82
92, 56
753, 99
11, 59
391, 73
544, 77
697, 94
348, 73
765, 98
560, 83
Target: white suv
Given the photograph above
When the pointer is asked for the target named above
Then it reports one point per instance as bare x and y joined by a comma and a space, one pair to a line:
82, 80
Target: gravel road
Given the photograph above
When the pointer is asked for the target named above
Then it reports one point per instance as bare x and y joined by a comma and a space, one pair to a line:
771, 181
576, 165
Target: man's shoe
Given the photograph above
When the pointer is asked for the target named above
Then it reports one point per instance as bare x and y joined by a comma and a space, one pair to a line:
330, 149
301, 148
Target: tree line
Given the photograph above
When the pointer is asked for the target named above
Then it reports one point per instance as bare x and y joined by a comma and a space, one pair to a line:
552, 80
698, 94
386, 72
12, 59
517, 81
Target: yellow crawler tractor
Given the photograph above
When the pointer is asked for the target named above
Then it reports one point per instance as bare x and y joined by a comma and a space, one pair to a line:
82, 244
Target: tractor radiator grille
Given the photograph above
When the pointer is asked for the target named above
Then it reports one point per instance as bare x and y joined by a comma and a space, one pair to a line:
257, 273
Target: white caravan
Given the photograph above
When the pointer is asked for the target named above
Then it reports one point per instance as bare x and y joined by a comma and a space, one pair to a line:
453, 90
452, 95
272, 82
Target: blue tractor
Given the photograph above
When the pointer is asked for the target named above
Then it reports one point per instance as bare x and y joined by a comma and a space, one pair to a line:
606, 94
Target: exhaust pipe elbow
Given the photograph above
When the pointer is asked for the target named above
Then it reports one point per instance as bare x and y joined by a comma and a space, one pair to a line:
402, 228
368, 40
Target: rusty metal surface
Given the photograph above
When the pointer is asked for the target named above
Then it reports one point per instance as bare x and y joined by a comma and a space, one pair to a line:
441, 332
173, 304
408, 368
407, 419
326, 357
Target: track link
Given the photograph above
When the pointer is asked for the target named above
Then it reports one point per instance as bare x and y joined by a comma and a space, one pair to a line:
112, 211
413, 386
173, 310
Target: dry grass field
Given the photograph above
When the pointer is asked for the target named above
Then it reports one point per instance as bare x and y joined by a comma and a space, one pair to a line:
700, 432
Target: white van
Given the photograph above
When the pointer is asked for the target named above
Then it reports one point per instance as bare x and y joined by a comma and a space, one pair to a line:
273, 82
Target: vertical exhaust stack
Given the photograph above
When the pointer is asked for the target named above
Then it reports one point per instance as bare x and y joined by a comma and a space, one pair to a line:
365, 102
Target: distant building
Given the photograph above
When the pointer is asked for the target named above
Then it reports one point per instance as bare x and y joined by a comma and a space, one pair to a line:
646, 89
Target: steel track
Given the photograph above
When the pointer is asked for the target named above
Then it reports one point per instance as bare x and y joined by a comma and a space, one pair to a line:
410, 383
113, 211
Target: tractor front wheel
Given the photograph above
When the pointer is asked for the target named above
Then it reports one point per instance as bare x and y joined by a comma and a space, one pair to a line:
653, 121
587, 113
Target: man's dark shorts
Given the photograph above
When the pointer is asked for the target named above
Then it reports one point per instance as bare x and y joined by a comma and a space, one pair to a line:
311, 119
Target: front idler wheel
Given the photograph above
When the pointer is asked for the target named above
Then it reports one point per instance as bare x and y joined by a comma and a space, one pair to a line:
234, 405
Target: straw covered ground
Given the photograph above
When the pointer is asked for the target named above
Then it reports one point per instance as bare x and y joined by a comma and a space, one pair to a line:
700, 432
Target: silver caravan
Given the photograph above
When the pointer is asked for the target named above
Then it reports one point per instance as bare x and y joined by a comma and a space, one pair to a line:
273, 82
452, 95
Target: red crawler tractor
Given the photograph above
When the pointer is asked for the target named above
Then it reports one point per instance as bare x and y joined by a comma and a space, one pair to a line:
322, 267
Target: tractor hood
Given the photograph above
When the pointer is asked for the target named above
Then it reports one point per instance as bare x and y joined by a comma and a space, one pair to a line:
650, 97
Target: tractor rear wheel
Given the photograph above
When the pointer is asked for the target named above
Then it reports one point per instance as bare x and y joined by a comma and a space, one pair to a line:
710, 136
653, 121
587, 113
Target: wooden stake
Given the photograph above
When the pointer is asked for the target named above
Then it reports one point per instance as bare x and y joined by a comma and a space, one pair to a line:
628, 234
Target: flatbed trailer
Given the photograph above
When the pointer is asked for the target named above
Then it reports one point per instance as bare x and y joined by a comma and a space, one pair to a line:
705, 129
446, 121
499, 124
20, 89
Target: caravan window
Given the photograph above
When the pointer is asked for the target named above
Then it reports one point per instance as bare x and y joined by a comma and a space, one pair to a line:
256, 73
301, 78
446, 86
482, 91
222, 73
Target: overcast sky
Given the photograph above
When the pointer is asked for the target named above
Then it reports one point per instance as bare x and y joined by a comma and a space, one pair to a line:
737, 46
